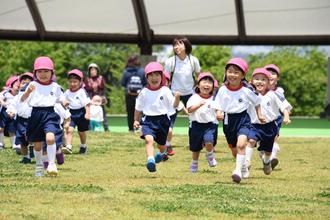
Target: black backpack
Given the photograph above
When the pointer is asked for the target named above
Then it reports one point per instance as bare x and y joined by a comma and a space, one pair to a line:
134, 85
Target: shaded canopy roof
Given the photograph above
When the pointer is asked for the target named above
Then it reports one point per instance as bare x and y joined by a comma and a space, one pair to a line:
148, 22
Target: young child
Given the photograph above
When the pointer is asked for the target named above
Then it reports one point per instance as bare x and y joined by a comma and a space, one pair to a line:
22, 111
7, 124
172, 113
96, 114
275, 77
79, 109
154, 102
203, 120
265, 133
43, 124
234, 99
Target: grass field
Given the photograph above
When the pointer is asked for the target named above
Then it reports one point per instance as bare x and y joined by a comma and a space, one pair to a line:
111, 182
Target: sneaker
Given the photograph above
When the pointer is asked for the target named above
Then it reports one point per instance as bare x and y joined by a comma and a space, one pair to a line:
158, 157
45, 163
2, 146
164, 157
274, 163
193, 167
17, 148
66, 150
211, 160
170, 151
245, 171
39, 170
60, 158
267, 168
151, 165
25, 160
83, 150
52, 170
31, 151
237, 176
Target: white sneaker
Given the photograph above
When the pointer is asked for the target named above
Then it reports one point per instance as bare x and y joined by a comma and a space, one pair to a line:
52, 169
237, 176
245, 171
39, 170
211, 160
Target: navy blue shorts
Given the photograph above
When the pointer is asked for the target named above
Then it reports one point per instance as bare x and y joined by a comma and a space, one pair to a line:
21, 125
184, 99
173, 118
238, 124
279, 121
200, 133
78, 119
265, 133
156, 126
42, 121
7, 123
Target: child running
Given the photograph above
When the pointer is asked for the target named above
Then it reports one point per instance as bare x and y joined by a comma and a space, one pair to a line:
79, 108
234, 99
44, 123
203, 120
154, 103
264, 133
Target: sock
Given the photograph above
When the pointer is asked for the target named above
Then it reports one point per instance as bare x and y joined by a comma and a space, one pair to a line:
248, 154
51, 152
266, 158
44, 158
168, 143
69, 146
240, 159
275, 150
83, 145
26, 156
38, 157
194, 161
151, 158
2, 136
12, 141
209, 154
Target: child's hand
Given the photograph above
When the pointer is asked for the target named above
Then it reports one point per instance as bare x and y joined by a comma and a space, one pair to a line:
87, 116
30, 89
286, 120
65, 103
11, 114
177, 94
136, 124
219, 116
262, 119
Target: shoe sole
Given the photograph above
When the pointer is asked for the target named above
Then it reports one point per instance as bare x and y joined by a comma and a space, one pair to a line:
66, 151
274, 163
52, 173
151, 167
236, 178
267, 171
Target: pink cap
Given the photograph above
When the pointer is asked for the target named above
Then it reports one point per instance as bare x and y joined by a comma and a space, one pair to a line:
167, 75
26, 74
153, 67
43, 63
77, 73
216, 84
241, 63
203, 75
10, 82
263, 71
273, 67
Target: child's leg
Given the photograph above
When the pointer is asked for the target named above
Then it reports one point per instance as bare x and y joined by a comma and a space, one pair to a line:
25, 154
240, 158
151, 163
51, 152
69, 137
267, 165
194, 162
38, 157
210, 154
233, 150
83, 138
170, 151
249, 151
2, 137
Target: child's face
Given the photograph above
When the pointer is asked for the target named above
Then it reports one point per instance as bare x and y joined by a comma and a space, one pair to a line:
24, 81
93, 72
154, 79
234, 75
44, 75
205, 87
274, 78
261, 82
15, 87
74, 83
179, 48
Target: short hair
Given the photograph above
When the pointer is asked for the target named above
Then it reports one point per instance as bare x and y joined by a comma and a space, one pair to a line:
74, 76
185, 41
133, 61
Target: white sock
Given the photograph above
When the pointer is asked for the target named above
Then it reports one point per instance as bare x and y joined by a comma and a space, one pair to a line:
26, 156
51, 152
266, 158
168, 143
240, 159
276, 149
44, 158
2, 137
83, 145
38, 157
151, 158
194, 161
12, 141
209, 154
248, 154
69, 146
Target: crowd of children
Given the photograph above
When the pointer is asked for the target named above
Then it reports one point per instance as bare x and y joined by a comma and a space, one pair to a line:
35, 111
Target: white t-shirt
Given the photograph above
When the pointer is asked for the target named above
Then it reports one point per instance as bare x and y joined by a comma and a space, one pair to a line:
18, 107
62, 112
182, 79
236, 101
279, 91
152, 103
77, 99
204, 114
270, 104
96, 113
45, 95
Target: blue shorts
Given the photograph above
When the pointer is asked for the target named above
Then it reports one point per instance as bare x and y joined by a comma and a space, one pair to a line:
173, 118
279, 121
265, 133
200, 133
238, 124
7, 123
21, 125
184, 99
78, 119
42, 121
156, 126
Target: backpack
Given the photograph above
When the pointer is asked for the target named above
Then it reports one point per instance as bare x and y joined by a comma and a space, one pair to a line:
134, 85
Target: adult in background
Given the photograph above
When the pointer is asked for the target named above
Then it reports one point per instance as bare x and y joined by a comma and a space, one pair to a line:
184, 68
133, 80
95, 85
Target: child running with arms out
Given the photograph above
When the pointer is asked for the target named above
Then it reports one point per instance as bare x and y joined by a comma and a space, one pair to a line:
154, 103
234, 99
265, 133
44, 123
203, 120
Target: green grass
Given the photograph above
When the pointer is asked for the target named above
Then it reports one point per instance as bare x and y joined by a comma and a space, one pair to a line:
111, 182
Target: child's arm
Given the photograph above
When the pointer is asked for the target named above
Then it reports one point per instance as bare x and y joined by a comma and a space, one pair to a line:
286, 118
137, 119
261, 118
193, 108
219, 115
87, 114
176, 99
28, 91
